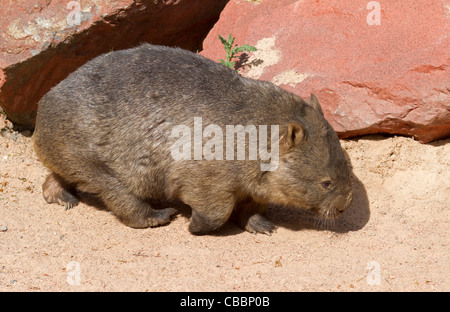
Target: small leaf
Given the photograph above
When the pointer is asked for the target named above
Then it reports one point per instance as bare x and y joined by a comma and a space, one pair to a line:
245, 47
222, 39
232, 49
229, 64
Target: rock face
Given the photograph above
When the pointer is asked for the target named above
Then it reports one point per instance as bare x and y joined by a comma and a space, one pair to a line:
377, 67
42, 41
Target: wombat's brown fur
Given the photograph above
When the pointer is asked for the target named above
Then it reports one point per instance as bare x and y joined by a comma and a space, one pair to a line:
106, 129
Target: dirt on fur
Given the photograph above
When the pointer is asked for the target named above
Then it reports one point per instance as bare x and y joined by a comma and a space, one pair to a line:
394, 236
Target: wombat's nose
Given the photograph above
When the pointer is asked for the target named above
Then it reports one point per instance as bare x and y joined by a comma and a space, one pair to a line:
344, 202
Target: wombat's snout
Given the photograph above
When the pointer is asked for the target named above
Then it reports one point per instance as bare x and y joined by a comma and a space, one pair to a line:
339, 205
345, 202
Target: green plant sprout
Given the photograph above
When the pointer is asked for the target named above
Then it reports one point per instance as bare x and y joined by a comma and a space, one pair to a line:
233, 50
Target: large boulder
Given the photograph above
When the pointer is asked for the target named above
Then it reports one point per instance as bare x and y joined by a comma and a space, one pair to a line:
42, 41
377, 67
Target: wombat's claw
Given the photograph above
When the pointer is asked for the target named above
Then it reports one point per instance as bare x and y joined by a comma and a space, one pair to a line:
269, 233
68, 200
260, 224
160, 217
67, 206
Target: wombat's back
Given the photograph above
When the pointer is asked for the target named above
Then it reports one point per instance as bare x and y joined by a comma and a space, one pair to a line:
150, 83
131, 99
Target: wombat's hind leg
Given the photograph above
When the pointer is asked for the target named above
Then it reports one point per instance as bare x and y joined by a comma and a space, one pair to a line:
259, 224
209, 216
161, 216
200, 225
137, 218
250, 216
56, 190
132, 210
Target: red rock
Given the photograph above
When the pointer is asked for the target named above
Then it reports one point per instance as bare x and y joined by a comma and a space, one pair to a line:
41, 41
387, 78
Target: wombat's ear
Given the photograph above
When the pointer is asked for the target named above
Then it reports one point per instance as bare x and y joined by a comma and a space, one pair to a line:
293, 135
314, 102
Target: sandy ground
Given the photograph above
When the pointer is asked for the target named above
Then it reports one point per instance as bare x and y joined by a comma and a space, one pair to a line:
394, 237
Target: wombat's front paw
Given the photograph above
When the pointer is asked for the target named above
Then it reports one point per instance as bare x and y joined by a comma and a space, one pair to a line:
160, 217
260, 224
69, 201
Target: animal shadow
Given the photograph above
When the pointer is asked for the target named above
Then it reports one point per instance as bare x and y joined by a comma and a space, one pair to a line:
353, 219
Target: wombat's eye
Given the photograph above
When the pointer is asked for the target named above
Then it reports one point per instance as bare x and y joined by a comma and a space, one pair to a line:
326, 184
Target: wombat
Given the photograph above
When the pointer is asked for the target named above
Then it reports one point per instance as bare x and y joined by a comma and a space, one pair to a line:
108, 129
